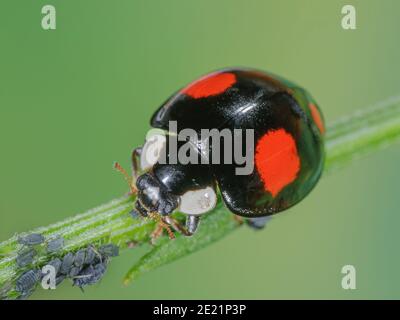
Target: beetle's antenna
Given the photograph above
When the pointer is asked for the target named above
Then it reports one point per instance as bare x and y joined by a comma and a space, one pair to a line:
127, 177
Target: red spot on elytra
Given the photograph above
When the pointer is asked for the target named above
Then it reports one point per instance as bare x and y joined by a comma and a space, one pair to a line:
317, 117
210, 85
277, 160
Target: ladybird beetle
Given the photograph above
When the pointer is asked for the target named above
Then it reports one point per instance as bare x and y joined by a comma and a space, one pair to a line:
288, 130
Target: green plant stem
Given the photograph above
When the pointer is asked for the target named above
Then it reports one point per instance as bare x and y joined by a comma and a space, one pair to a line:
346, 140
363, 132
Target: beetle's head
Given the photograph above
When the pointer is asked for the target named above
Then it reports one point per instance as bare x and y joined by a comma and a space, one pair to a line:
153, 197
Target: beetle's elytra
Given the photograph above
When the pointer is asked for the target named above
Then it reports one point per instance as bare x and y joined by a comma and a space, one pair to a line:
288, 157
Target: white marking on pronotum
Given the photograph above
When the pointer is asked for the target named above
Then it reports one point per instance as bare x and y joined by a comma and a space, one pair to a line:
152, 149
198, 202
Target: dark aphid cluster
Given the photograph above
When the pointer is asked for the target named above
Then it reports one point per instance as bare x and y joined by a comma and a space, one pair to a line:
84, 267
26, 283
96, 264
27, 252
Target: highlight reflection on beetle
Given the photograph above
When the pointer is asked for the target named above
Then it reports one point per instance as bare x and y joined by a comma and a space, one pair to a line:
287, 140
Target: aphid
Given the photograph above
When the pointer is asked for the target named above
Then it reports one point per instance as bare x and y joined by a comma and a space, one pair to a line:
67, 262
55, 245
90, 275
90, 255
60, 279
25, 257
85, 277
74, 271
287, 162
56, 263
31, 239
28, 280
259, 223
99, 270
80, 257
109, 250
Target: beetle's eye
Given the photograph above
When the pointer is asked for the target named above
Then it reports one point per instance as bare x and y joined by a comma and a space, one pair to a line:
152, 151
198, 201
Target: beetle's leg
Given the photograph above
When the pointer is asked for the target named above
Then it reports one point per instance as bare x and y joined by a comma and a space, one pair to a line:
161, 222
136, 153
192, 222
128, 178
258, 223
157, 232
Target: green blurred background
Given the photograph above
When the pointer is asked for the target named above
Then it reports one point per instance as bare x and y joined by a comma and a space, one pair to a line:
75, 99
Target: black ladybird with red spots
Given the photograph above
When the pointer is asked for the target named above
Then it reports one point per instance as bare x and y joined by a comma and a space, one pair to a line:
288, 149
